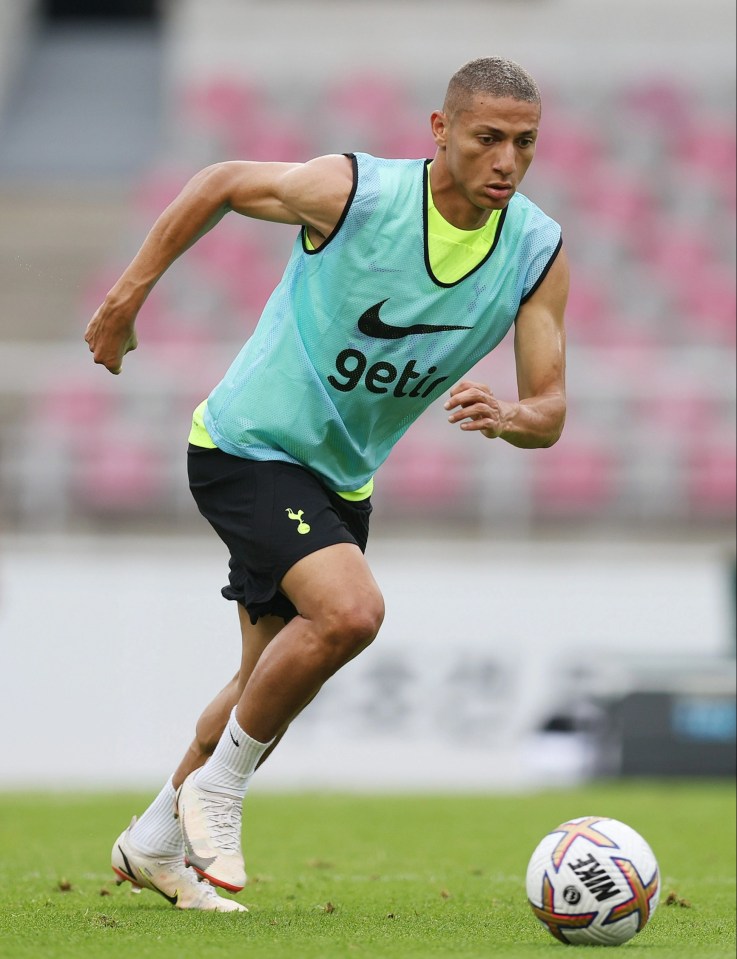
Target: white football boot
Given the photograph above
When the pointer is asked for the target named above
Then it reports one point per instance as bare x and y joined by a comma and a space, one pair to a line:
211, 829
171, 878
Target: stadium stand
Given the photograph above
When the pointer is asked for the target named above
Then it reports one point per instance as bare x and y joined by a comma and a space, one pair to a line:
651, 317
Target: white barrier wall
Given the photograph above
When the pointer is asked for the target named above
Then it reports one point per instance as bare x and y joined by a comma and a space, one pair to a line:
108, 650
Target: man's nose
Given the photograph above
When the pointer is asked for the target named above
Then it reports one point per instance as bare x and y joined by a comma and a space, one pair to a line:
505, 159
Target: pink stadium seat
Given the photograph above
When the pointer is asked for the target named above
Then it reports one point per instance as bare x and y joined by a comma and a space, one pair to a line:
709, 148
239, 266
225, 251
569, 147
589, 312
218, 104
74, 406
404, 138
673, 250
619, 200
575, 477
659, 101
678, 413
118, 471
367, 100
268, 138
155, 190
712, 479
425, 475
708, 299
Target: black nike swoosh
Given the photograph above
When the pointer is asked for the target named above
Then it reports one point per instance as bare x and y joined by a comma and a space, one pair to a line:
233, 738
371, 324
172, 899
128, 867
132, 876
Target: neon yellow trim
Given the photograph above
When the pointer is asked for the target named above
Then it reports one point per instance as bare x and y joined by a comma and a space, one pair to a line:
363, 493
454, 252
198, 435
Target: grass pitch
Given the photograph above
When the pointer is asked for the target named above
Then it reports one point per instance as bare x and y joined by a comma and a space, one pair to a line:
341, 876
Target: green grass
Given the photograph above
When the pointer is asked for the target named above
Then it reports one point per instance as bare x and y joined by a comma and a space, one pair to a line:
341, 876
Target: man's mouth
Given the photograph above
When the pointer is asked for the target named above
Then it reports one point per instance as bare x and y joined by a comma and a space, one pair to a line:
499, 191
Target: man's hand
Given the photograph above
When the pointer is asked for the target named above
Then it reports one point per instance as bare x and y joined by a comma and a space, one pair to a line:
110, 335
535, 420
476, 408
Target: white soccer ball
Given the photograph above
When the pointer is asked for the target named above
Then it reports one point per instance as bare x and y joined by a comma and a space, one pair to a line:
593, 881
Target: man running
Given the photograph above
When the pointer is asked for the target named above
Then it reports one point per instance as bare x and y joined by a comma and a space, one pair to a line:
404, 274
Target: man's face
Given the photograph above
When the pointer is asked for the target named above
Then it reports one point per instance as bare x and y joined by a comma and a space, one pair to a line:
489, 144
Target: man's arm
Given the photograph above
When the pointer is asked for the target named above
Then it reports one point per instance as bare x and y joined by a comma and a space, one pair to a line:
536, 419
313, 194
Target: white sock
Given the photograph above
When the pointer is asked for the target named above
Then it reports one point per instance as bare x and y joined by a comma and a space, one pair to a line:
232, 764
157, 832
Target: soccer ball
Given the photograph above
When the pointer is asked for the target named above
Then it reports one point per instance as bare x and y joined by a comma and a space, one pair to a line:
593, 881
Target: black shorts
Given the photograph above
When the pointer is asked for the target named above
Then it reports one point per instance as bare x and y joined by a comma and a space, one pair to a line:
270, 515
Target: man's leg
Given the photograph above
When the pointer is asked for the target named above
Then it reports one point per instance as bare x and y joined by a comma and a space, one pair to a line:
340, 612
211, 724
152, 846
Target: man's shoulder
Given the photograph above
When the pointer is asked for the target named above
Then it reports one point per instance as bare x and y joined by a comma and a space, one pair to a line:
395, 163
381, 159
394, 180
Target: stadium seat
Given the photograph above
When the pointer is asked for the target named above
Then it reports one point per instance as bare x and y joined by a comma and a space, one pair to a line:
574, 478
658, 102
709, 147
231, 261
154, 190
404, 138
569, 148
712, 478
708, 299
589, 313
70, 405
680, 411
267, 138
423, 476
118, 471
368, 100
217, 105
617, 201
673, 249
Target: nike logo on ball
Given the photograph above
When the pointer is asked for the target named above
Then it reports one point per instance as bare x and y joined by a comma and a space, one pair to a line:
371, 324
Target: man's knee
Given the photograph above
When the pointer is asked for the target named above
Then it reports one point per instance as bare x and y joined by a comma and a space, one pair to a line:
339, 602
351, 624
363, 621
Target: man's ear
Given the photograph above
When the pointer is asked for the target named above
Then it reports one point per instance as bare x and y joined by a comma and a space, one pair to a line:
439, 127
